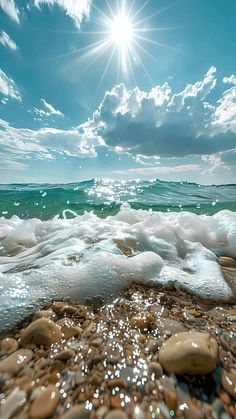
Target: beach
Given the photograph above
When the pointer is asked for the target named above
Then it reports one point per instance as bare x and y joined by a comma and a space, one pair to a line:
152, 353
130, 314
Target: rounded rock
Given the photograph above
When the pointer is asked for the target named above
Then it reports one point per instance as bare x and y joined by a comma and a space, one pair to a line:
16, 361
155, 369
229, 383
45, 404
116, 414
41, 332
8, 345
48, 314
77, 412
189, 353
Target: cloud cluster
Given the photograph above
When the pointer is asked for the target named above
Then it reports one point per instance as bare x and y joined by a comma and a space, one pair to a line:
75, 9
8, 87
7, 42
166, 124
11, 9
18, 144
47, 110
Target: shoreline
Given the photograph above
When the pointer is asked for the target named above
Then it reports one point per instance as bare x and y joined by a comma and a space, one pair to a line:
107, 361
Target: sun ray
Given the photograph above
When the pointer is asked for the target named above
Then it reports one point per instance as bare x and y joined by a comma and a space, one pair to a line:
138, 45
136, 54
140, 9
104, 73
160, 44
157, 13
121, 32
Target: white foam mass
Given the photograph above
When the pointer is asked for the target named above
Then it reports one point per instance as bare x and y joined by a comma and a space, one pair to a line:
87, 257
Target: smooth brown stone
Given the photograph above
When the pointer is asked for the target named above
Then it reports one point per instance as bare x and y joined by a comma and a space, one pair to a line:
77, 412
169, 325
41, 332
154, 368
13, 404
227, 262
68, 328
143, 320
229, 383
65, 354
16, 361
116, 382
8, 345
116, 414
58, 305
45, 404
48, 314
170, 394
189, 353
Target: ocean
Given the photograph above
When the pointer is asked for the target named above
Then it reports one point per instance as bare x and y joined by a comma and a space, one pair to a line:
90, 240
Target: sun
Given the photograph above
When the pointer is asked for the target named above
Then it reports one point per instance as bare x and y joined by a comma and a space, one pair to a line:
123, 36
122, 31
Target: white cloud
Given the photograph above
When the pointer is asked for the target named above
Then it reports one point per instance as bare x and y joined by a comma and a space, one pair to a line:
6, 41
8, 87
48, 110
44, 144
230, 80
75, 9
162, 170
160, 123
10, 8
4, 100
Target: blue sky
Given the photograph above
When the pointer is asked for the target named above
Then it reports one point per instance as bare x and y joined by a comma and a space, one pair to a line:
117, 89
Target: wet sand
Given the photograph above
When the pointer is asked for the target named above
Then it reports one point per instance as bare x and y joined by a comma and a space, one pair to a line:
152, 353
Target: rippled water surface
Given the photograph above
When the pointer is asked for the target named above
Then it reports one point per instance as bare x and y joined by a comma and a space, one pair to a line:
105, 197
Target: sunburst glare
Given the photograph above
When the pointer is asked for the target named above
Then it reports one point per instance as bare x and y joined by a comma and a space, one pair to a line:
124, 36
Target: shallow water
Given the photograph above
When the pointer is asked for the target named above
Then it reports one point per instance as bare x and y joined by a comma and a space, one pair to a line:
85, 256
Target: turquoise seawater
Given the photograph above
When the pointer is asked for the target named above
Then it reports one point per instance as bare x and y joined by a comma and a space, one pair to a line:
105, 197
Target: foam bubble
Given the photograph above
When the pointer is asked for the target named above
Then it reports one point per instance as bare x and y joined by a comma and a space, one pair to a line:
87, 257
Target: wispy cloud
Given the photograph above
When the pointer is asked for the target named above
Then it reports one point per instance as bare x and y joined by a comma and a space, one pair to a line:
162, 170
11, 9
8, 87
47, 110
7, 42
75, 9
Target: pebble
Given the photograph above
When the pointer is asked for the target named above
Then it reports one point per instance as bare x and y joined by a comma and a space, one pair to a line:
229, 383
116, 414
57, 306
155, 369
96, 378
16, 361
228, 341
142, 321
189, 353
48, 314
165, 326
227, 262
116, 382
187, 408
170, 394
13, 403
65, 354
45, 404
112, 355
68, 328
68, 309
77, 412
41, 332
8, 345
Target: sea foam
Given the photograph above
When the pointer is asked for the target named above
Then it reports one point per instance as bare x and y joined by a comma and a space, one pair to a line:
90, 257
